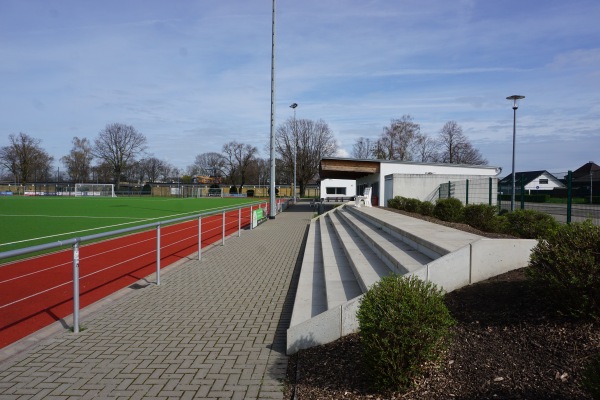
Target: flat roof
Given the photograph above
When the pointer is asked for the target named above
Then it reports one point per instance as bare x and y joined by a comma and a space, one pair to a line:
351, 168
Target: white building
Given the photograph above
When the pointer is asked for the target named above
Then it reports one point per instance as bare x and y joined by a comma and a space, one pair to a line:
532, 181
338, 189
423, 181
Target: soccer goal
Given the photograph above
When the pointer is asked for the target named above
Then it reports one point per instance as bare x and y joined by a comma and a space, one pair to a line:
95, 189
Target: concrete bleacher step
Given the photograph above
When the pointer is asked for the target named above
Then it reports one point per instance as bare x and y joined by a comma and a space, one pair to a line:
399, 256
430, 239
366, 266
350, 248
310, 297
340, 282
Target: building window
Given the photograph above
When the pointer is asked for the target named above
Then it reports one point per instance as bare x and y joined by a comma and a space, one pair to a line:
336, 190
543, 181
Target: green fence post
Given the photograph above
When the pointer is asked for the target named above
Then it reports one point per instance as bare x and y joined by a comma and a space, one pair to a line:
449, 186
522, 193
467, 195
569, 195
490, 191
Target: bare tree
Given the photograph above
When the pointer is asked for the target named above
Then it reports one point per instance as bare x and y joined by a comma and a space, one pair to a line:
210, 163
79, 161
362, 148
119, 145
456, 148
313, 141
25, 158
102, 172
425, 149
167, 171
239, 157
152, 167
397, 140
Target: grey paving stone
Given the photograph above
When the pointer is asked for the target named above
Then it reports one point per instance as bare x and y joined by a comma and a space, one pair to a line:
214, 328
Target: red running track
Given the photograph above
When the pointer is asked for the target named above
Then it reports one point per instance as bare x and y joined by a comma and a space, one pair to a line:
37, 292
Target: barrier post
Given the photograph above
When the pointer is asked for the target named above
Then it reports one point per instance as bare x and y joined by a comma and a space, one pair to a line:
76, 287
490, 191
467, 195
223, 243
199, 238
251, 216
569, 195
239, 221
158, 254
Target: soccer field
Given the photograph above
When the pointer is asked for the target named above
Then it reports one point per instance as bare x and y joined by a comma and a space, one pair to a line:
29, 221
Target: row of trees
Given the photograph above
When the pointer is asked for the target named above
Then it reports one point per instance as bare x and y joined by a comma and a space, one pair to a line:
302, 140
118, 150
119, 155
403, 141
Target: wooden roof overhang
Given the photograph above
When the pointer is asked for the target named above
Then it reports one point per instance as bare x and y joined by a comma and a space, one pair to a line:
336, 168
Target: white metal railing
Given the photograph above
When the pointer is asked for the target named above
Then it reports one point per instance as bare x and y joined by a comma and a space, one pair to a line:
77, 241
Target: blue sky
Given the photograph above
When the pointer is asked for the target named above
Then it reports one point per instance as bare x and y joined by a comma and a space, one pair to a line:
194, 75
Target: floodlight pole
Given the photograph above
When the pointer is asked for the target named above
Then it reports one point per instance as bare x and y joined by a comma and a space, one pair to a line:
295, 148
515, 98
272, 198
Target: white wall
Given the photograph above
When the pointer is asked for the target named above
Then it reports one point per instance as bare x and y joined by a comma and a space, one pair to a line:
349, 184
425, 187
431, 175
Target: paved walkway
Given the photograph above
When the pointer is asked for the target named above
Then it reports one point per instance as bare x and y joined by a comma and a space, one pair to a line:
213, 329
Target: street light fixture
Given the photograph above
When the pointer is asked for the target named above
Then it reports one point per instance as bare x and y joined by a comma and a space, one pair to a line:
515, 98
293, 106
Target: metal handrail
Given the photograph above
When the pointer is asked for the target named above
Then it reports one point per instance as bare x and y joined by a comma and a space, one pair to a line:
75, 243
87, 238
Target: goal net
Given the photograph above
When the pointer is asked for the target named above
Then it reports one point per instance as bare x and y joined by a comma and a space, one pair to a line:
95, 189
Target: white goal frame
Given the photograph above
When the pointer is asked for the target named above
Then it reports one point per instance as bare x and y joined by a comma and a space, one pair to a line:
95, 189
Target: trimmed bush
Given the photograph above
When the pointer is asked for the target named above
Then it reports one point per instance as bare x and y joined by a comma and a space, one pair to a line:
404, 323
394, 203
530, 224
481, 216
591, 377
450, 210
567, 266
412, 205
426, 208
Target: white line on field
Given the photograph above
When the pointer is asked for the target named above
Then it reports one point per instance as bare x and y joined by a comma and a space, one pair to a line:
103, 227
64, 216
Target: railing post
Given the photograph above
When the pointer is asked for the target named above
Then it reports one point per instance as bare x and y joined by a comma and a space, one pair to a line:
490, 191
251, 220
467, 195
223, 244
76, 287
158, 254
569, 195
239, 221
199, 238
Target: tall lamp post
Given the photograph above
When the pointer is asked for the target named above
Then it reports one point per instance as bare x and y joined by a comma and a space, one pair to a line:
515, 98
293, 106
272, 199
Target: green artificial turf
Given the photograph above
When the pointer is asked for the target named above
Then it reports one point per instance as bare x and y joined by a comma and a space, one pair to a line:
29, 221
